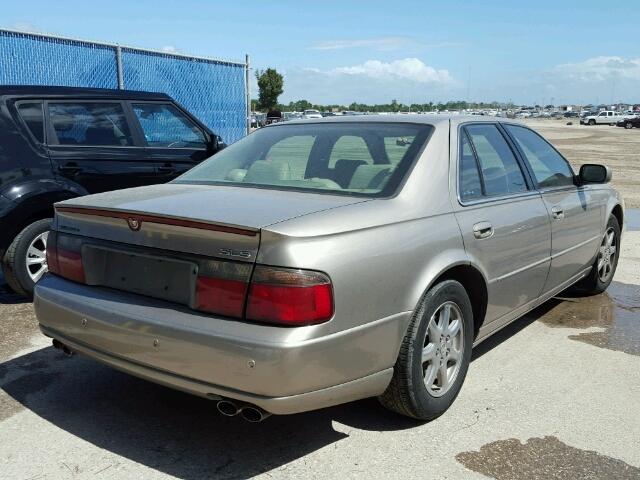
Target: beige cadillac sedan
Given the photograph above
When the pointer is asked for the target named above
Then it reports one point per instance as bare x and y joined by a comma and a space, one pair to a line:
318, 262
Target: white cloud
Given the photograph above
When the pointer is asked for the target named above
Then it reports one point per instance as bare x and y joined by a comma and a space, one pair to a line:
412, 69
382, 43
408, 80
601, 68
169, 49
25, 27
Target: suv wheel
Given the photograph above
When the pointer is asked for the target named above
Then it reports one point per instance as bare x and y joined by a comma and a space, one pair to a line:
25, 262
434, 356
628, 125
592, 122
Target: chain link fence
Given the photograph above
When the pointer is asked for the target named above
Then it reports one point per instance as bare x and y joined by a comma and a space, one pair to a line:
216, 91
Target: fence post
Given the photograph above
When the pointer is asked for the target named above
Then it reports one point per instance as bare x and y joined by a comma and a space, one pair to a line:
119, 67
247, 79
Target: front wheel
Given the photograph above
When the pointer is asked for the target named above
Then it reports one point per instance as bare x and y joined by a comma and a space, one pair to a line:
434, 355
592, 122
605, 264
628, 125
25, 261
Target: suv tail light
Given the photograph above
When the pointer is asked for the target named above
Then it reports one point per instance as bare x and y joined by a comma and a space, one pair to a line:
64, 256
289, 297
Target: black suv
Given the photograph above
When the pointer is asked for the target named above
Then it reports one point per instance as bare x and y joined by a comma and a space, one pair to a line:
60, 142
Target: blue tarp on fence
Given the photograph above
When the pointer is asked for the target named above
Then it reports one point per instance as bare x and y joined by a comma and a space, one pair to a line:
213, 90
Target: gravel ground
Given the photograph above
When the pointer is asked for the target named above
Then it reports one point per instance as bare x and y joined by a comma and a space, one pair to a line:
554, 395
613, 146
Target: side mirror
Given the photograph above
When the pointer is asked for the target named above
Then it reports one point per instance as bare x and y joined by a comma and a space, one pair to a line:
215, 143
593, 173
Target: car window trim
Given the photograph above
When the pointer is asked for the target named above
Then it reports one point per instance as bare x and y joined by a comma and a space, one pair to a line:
53, 137
530, 168
490, 198
205, 133
17, 104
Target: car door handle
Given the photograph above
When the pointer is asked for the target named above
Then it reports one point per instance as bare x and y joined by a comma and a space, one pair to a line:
482, 230
557, 213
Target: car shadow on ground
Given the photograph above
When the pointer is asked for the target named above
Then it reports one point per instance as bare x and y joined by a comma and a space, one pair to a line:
180, 434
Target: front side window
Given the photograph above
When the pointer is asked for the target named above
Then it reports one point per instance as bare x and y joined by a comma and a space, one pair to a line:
549, 168
89, 124
346, 158
501, 173
31, 113
163, 125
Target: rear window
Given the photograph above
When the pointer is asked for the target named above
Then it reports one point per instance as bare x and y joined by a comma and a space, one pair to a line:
368, 159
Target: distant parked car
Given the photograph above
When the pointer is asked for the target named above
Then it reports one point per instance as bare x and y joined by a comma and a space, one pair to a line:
629, 122
571, 115
58, 143
608, 117
316, 263
312, 114
274, 116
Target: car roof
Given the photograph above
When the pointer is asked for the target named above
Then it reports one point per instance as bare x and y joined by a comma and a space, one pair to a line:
427, 119
59, 91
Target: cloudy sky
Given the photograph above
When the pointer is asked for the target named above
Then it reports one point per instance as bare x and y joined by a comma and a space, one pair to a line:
375, 51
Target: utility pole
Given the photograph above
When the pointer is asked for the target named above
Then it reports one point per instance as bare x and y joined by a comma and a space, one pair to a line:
247, 79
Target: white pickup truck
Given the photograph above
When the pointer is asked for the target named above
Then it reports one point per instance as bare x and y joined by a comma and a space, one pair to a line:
607, 117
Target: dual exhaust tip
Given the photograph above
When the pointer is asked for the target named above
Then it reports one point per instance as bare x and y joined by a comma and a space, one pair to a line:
58, 345
250, 413
226, 407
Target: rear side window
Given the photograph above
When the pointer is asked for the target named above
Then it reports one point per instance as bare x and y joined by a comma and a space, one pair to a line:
500, 172
163, 125
549, 168
470, 184
90, 124
31, 113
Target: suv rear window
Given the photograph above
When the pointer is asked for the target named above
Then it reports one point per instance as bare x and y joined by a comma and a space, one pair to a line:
31, 113
368, 158
90, 124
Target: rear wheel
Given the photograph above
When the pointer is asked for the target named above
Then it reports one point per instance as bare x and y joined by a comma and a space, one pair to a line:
25, 261
434, 356
604, 267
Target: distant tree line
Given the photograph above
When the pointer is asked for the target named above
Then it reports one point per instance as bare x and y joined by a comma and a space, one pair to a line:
394, 106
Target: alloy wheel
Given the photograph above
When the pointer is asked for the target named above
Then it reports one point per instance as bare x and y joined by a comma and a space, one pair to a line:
606, 255
36, 260
443, 349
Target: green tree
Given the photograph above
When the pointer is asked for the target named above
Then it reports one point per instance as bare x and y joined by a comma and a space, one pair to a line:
270, 86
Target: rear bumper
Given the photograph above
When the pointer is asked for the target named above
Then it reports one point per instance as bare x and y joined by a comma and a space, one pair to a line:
281, 370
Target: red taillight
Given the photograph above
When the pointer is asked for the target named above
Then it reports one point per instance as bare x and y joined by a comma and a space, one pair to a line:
64, 257
289, 297
221, 287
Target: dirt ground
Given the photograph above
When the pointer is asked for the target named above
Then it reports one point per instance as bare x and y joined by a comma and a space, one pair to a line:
613, 146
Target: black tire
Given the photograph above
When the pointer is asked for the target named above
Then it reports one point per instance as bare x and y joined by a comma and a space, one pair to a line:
628, 125
407, 393
592, 122
593, 283
14, 264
